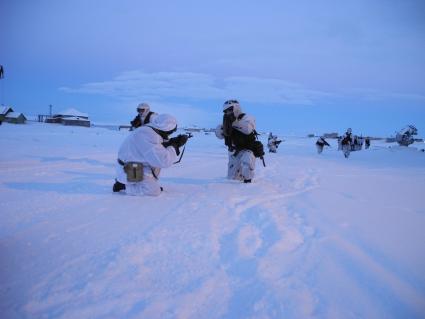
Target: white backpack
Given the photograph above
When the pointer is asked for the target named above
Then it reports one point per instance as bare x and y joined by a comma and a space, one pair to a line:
244, 124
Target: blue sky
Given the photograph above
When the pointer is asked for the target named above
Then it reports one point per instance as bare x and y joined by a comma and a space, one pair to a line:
297, 66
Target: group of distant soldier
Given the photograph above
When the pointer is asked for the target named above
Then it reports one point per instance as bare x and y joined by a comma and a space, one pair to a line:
347, 143
351, 143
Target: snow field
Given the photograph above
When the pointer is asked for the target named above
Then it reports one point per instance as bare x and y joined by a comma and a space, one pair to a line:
314, 236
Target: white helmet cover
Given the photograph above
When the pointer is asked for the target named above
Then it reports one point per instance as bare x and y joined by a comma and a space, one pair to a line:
163, 122
143, 107
236, 107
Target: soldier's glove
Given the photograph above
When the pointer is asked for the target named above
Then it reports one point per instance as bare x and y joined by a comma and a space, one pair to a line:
257, 149
177, 142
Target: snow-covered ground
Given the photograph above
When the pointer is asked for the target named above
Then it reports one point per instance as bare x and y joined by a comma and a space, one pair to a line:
314, 236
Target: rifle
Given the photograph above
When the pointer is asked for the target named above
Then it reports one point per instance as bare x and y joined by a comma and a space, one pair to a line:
262, 151
189, 135
262, 158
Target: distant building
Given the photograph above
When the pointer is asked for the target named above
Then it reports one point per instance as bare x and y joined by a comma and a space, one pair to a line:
70, 117
8, 115
15, 118
76, 121
192, 129
4, 110
330, 135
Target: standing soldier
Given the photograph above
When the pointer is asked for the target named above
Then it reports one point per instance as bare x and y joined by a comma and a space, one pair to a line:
367, 143
320, 144
273, 143
240, 137
346, 142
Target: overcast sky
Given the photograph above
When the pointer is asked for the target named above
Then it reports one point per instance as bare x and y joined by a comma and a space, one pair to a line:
297, 66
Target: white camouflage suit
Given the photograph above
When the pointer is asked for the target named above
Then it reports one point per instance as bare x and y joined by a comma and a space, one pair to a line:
144, 145
241, 165
271, 143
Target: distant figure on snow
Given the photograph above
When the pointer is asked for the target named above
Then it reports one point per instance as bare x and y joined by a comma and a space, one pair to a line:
144, 116
357, 143
367, 143
273, 143
320, 144
144, 152
240, 137
345, 143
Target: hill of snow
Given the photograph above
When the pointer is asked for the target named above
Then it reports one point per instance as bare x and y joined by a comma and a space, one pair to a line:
314, 236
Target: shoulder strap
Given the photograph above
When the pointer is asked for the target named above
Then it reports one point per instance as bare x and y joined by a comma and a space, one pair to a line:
148, 117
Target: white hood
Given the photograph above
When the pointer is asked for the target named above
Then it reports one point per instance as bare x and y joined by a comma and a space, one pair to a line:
163, 122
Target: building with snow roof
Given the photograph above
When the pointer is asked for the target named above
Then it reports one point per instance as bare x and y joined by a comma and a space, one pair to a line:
8, 115
4, 110
70, 117
15, 118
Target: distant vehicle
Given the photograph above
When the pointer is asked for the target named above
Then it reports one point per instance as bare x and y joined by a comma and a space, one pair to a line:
405, 136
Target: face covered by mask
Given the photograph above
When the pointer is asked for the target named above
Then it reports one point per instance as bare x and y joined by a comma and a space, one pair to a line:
228, 119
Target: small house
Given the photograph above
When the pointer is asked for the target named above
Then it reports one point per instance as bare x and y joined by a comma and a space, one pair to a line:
76, 121
4, 110
70, 117
15, 118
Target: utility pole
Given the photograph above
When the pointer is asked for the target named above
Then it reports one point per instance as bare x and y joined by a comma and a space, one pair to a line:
2, 89
50, 112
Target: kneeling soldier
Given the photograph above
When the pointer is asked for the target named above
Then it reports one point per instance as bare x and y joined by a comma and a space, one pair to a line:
144, 152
